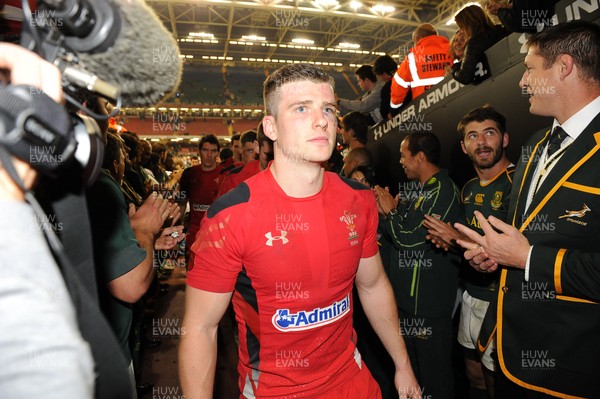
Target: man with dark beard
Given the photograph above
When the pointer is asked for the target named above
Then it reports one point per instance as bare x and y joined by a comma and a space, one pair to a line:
484, 139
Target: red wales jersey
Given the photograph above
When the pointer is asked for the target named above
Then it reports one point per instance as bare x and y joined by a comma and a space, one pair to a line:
292, 263
200, 188
238, 175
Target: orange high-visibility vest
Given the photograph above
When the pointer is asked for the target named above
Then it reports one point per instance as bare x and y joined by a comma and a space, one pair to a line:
423, 67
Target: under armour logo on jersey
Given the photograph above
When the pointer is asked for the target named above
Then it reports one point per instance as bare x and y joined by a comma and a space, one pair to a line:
270, 238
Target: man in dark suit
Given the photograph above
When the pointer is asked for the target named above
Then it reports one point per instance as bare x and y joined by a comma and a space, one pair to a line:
548, 317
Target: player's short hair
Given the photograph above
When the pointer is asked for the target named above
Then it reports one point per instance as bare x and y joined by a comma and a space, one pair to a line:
112, 150
366, 72
211, 139
249, 136
579, 39
480, 114
359, 123
385, 65
289, 74
427, 142
361, 155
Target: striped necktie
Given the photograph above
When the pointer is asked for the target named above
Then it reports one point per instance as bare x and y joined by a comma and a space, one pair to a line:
556, 138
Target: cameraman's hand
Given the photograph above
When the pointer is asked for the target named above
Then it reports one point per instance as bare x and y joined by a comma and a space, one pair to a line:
149, 218
19, 66
23, 67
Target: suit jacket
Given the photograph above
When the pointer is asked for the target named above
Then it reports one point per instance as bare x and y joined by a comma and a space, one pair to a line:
548, 330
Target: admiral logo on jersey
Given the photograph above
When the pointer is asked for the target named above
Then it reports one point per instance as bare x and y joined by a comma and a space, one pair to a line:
305, 320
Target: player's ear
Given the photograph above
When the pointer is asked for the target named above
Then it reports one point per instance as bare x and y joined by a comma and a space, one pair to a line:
269, 127
566, 64
505, 140
462, 146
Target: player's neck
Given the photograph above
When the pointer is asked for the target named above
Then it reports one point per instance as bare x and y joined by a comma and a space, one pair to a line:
298, 180
575, 100
489, 173
208, 168
427, 172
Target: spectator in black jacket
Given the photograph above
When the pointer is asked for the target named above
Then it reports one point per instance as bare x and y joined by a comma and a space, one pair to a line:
480, 34
523, 15
385, 68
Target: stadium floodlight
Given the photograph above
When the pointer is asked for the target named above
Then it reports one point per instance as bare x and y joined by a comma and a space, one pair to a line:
355, 5
382, 9
254, 38
303, 41
202, 34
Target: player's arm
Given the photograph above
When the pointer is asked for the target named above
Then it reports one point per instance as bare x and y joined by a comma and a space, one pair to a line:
441, 202
364, 105
146, 223
198, 342
377, 298
184, 193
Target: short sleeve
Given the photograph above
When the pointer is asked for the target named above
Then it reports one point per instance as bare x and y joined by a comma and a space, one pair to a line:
218, 249
184, 182
116, 249
370, 246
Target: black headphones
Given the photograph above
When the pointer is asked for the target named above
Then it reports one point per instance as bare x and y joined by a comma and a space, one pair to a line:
37, 130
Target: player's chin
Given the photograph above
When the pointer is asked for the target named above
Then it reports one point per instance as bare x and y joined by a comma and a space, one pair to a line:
318, 157
326, 152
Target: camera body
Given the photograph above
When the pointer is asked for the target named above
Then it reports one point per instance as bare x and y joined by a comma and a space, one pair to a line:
33, 127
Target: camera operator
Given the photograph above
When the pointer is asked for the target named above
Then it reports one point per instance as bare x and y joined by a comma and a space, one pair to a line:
42, 351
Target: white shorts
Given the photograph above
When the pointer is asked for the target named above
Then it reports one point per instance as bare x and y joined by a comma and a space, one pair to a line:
472, 314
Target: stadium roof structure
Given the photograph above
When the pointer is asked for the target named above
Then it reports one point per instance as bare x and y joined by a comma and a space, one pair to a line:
340, 34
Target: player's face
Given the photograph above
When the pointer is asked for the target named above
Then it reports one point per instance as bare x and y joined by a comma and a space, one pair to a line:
458, 44
265, 154
208, 156
305, 127
236, 147
484, 143
248, 152
409, 161
346, 135
540, 83
360, 82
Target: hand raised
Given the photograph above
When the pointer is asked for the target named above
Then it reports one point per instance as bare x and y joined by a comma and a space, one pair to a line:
149, 218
